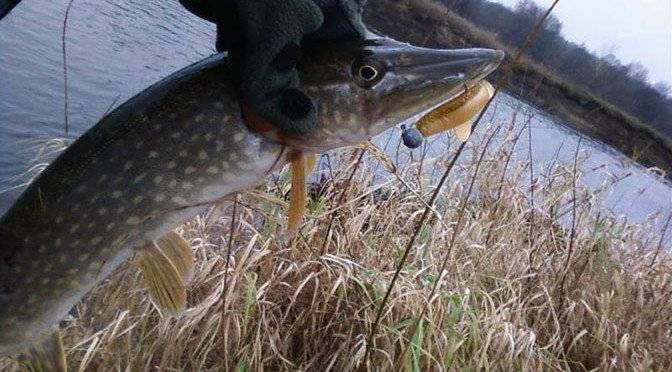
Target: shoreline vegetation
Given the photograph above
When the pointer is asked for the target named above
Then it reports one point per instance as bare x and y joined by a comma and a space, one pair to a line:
429, 23
515, 269
493, 282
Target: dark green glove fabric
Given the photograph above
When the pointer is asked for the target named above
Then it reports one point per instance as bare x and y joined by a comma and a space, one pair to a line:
265, 37
342, 20
6, 6
273, 34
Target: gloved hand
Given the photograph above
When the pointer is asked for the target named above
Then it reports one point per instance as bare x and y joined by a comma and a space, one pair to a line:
6, 6
264, 37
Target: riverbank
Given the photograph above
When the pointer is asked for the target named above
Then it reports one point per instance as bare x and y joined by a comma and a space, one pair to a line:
424, 22
514, 289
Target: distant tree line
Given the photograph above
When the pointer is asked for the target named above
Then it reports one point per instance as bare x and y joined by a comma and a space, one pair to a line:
624, 85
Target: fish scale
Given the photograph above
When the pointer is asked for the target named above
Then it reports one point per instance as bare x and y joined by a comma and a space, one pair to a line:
170, 152
126, 182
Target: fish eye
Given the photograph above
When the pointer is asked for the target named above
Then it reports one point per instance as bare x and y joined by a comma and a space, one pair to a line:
367, 73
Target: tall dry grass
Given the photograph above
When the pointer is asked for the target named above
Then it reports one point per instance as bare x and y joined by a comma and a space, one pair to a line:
567, 289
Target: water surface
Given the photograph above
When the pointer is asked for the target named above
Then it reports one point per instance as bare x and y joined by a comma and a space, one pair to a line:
116, 48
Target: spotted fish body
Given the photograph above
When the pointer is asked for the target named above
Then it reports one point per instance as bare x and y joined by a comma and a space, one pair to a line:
169, 153
128, 181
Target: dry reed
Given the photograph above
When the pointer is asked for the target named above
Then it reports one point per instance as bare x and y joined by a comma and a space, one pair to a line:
594, 297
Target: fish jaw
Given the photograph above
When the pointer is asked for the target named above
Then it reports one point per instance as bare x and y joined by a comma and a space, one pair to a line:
408, 81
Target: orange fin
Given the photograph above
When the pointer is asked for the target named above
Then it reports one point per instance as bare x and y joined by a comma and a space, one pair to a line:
301, 165
163, 280
309, 162
179, 253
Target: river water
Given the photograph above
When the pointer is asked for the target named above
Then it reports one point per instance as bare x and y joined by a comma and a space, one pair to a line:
116, 48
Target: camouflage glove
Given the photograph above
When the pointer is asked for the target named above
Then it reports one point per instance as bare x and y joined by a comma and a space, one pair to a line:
265, 37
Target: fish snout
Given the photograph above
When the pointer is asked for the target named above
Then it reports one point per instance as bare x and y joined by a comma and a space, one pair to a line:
418, 68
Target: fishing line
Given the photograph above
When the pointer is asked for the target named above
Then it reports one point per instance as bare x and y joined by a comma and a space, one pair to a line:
572, 235
500, 82
65, 65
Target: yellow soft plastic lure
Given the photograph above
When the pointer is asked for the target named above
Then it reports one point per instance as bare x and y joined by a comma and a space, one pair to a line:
457, 114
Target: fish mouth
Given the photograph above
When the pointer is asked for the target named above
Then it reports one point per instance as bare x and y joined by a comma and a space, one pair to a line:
416, 68
415, 80
388, 82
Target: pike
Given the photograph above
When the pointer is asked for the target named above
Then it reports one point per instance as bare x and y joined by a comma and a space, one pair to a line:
171, 151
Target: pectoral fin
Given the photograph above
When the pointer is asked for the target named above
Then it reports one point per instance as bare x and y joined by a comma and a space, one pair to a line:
164, 282
309, 162
302, 164
47, 356
179, 253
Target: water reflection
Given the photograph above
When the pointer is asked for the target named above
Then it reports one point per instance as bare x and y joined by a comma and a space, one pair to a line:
117, 48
